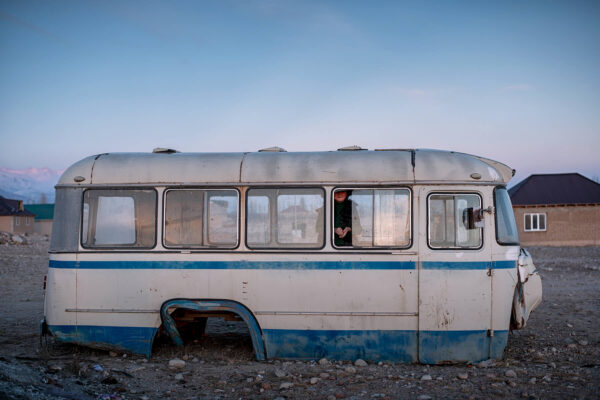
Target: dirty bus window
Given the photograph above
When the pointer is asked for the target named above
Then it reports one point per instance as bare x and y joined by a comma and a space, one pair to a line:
448, 227
376, 217
183, 217
119, 218
86, 217
258, 228
506, 226
201, 218
297, 220
222, 217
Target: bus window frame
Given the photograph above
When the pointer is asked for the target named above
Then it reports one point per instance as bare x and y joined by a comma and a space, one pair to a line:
427, 206
201, 248
284, 248
373, 248
96, 249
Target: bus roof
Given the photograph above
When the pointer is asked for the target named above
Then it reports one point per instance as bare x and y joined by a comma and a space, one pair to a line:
264, 168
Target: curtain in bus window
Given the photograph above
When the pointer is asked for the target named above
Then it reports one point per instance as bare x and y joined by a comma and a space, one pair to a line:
362, 217
183, 217
380, 218
391, 218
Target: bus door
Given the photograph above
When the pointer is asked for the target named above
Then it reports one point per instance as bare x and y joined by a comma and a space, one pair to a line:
454, 278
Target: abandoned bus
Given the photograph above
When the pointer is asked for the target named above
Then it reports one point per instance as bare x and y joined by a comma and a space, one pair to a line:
396, 255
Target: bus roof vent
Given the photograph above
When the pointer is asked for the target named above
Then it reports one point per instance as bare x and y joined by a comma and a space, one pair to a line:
273, 149
164, 150
351, 148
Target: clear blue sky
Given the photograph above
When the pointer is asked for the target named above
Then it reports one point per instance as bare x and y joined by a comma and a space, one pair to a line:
518, 81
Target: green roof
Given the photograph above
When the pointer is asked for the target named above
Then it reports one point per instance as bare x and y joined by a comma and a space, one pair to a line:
41, 211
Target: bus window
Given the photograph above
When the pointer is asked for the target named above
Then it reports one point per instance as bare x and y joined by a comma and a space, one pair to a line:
201, 218
183, 217
506, 227
376, 218
297, 220
222, 217
115, 220
258, 229
448, 225
119, 218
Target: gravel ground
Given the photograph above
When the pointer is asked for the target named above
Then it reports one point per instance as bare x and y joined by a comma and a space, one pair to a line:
556, 356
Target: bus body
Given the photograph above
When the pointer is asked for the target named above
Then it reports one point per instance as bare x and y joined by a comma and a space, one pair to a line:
434, 272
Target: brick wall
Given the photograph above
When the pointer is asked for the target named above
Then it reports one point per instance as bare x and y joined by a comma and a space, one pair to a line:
565, 226
43, 227
6, 223
25, 224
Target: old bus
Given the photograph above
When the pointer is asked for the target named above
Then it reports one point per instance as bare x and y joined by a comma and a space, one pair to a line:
398, 255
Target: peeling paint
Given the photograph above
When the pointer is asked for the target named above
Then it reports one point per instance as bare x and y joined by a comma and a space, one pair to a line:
137, 340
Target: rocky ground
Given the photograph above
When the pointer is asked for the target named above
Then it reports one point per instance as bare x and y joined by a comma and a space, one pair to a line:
556, 356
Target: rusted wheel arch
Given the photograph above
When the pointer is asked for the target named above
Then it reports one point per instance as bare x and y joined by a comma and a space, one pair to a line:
212, 305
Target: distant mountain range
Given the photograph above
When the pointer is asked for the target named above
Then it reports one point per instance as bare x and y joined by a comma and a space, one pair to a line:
32, 185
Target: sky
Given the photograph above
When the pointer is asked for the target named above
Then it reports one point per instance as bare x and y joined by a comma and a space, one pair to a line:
515, 81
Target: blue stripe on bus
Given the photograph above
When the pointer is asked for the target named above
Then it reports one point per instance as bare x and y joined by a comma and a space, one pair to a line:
481, 265
295, 265
290, 265
507, 264
428, 347
382, 345
371, 345
436, 347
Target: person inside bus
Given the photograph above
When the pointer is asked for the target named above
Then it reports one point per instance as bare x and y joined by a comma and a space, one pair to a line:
343, 218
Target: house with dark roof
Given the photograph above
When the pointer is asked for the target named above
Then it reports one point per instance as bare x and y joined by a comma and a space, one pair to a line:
14, 217
557, 210
44, 215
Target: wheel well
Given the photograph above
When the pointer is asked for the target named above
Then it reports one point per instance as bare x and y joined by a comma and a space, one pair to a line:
177, 313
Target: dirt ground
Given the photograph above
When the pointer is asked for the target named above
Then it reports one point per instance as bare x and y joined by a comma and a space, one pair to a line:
556, 356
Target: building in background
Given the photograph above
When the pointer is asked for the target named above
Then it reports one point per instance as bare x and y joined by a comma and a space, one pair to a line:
557, 210
14, 218
44, 214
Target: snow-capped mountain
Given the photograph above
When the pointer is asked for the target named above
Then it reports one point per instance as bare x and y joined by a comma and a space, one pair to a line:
32, 185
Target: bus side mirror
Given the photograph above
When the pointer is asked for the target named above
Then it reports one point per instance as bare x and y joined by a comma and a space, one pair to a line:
468, 218
473, 218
